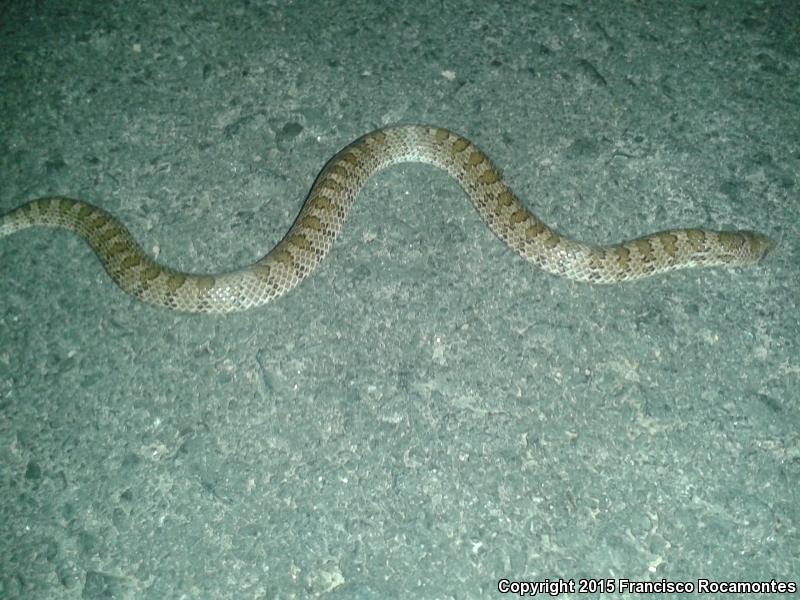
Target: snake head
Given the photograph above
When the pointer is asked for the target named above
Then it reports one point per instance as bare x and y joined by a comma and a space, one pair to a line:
760, 245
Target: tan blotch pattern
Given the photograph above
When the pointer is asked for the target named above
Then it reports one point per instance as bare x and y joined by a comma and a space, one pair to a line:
330, 199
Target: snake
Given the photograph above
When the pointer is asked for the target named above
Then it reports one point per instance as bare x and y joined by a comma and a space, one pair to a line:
323, 213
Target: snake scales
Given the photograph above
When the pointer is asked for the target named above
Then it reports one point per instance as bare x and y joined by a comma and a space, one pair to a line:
324, 211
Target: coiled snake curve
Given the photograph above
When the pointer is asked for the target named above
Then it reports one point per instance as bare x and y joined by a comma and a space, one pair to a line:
321, 218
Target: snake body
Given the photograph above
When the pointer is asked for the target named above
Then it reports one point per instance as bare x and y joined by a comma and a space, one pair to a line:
321, 218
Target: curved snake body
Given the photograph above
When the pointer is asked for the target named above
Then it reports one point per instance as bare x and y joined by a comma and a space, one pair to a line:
321, 218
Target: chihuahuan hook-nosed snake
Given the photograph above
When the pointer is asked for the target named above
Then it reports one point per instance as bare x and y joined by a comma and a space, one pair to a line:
326, 207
